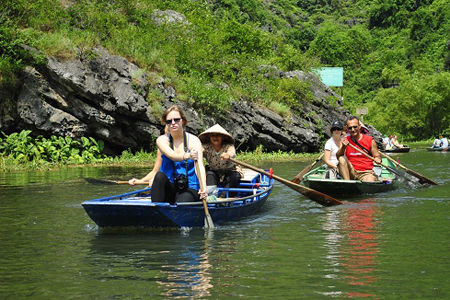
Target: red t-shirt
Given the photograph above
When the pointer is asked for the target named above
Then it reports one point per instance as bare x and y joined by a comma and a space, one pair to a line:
359, 161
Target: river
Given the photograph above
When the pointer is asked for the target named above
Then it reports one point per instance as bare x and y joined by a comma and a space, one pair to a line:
385, 246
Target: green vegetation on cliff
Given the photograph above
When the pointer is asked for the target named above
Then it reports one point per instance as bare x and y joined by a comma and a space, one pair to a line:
395, 53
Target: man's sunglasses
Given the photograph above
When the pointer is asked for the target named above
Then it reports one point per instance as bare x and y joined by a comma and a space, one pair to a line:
176, 120
352, 127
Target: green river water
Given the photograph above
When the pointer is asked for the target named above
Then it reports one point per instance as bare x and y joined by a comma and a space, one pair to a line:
385, 246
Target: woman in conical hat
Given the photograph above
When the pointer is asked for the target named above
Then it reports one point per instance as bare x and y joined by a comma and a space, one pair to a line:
218, 147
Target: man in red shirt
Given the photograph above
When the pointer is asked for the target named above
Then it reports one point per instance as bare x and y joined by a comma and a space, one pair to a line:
352, 164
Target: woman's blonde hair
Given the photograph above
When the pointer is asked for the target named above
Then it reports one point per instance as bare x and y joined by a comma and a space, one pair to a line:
170, 109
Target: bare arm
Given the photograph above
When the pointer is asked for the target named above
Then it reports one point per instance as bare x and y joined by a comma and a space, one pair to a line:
341, 151
327, 159
231, 152
149, 177
375, 153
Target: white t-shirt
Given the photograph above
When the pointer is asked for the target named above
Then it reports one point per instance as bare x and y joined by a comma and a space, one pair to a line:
444, 143
387, 142
437, 143
333, 148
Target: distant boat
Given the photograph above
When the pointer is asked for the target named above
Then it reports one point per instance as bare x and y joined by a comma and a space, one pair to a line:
136, 208
438, 149
315, 180
405, 149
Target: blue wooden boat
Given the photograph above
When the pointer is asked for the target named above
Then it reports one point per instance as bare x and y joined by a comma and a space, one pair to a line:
136, 208
338, 187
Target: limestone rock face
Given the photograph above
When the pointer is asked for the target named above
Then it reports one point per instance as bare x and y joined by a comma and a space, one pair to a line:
105, 98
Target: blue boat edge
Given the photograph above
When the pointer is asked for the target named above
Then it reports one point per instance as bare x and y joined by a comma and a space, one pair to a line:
135, 209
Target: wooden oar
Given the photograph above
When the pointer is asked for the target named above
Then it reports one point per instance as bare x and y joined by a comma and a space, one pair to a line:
104, 181
314, 195
297, 179
390, 169
208, 220
422, 179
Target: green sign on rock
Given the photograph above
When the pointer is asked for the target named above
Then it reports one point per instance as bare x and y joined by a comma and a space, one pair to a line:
331, 76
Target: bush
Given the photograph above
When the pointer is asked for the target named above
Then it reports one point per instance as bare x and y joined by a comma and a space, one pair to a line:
23, 148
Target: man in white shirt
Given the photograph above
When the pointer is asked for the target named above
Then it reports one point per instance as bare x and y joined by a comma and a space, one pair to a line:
437, 142
387, 142
444, 142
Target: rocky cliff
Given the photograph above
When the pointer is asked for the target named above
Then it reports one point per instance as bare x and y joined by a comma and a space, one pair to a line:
105, 97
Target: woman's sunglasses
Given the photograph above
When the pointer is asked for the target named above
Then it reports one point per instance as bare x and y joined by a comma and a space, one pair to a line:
176, 120
335, 129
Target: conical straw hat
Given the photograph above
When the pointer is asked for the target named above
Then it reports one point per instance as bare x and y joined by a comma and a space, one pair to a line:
226, 137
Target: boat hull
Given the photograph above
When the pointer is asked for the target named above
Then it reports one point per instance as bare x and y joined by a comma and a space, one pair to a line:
144, 213
398, 150
136, 208
338, 187
349, 187
438, 149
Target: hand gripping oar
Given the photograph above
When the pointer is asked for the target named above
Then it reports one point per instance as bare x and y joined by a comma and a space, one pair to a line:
208, 220
314, 195
297, 179
390, 169
422, 179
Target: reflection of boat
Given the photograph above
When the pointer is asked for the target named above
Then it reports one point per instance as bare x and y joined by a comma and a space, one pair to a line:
137, 209
315, 180
405, 149
438, 149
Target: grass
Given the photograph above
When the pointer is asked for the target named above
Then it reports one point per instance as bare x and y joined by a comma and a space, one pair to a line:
8, 164
420, 144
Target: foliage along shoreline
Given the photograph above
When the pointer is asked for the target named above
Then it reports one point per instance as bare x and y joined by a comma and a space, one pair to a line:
20, 152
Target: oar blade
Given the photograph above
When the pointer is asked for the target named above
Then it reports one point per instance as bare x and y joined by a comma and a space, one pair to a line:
209, 222
422, 179
314, 195
102, 181
407, 179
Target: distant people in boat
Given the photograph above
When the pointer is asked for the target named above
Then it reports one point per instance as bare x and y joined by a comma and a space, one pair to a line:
218, 147
173, 178
387, 142
444, 142
437, 142
331, 148
352, 164
395, 143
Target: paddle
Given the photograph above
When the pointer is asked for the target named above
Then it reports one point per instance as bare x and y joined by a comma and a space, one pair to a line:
422, 179
390, 169
297, 179
208, 220
104, 181
314, 195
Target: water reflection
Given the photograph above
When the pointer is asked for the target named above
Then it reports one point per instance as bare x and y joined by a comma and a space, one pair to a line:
177, 261
353, 247
191, 273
